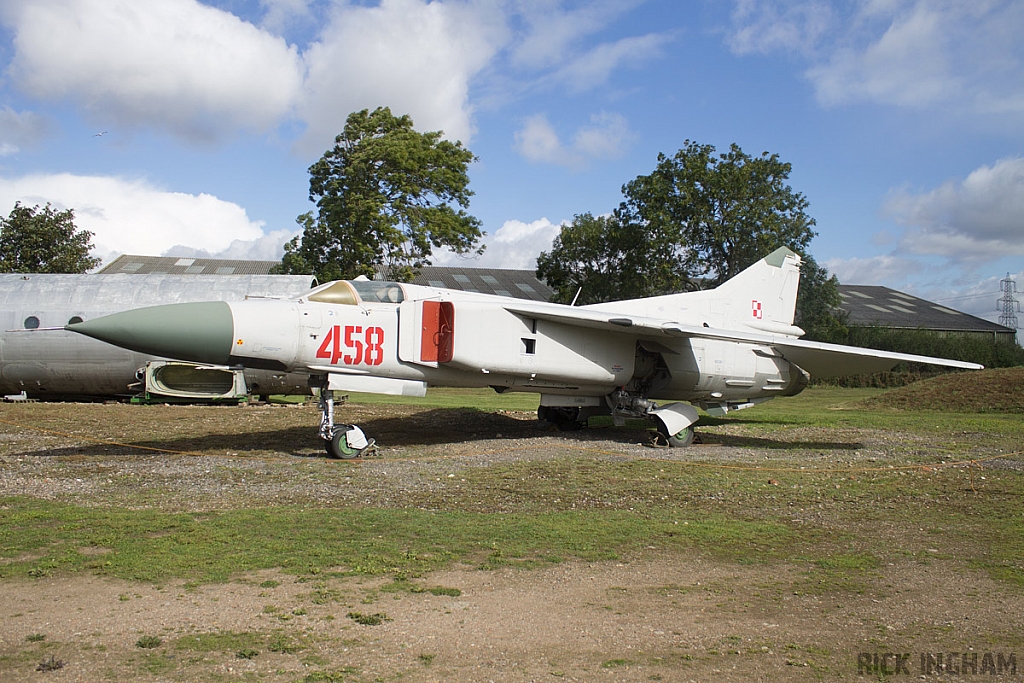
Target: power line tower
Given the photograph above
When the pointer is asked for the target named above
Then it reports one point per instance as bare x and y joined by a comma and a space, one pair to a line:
1007, 306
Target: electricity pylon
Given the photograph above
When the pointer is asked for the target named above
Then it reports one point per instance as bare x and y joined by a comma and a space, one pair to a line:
1007, 306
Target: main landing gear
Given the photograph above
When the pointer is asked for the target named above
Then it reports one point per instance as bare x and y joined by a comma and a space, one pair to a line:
673, 421
343, 442
680, 439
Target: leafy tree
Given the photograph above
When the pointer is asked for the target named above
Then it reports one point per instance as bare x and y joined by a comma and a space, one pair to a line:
817, 304
608, 258
386, 195
696, 221
34, 240
721, 213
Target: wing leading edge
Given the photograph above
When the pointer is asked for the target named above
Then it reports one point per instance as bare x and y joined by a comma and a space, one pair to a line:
820, 359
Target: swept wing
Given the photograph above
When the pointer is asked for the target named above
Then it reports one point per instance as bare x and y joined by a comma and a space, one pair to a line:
820, 359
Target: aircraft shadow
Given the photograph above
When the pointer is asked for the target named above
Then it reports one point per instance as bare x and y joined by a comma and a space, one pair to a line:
424, 428
292, 440
734, 441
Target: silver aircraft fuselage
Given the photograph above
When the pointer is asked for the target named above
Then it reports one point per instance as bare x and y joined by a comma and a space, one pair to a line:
55, 364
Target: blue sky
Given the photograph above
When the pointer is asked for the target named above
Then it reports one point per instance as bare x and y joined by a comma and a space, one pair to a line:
184, 128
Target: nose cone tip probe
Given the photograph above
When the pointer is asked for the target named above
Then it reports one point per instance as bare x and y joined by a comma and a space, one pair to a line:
198, 332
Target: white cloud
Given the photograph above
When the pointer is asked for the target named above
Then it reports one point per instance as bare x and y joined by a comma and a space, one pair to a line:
594, 67
978, 219
413, 56
981, 298
772, 25
134, 217
964, 55
193, 69
552, 47
605, 137
280, 14
202, 73
538, 141
514, 245
875, 270
19, 129
554, 33
908, 65
269, 247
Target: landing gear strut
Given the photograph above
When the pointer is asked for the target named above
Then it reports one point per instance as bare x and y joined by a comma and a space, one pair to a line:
674, 421
342, 442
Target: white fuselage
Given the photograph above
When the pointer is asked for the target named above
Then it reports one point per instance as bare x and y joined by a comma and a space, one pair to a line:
478, 342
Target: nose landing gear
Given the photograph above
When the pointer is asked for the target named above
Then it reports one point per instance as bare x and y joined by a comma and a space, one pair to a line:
342, 442
349, 442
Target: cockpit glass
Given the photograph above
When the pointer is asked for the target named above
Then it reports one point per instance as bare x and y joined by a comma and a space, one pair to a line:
339, 292
381, 292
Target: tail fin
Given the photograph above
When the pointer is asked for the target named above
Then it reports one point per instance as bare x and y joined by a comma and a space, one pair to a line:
763, 296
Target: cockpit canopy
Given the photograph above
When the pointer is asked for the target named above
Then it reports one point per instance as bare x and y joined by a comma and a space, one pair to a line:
353, 292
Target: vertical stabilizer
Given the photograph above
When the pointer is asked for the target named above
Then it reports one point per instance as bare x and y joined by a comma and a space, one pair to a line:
763, 296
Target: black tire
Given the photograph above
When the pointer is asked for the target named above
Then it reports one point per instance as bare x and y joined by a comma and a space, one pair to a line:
680, 439
565, 419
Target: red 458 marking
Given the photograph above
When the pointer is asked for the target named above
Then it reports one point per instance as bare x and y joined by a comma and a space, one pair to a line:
353, 346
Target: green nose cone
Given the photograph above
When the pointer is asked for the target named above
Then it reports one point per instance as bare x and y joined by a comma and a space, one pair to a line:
197, 332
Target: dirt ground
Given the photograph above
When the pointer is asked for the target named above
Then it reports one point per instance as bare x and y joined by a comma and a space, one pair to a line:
654, 616
649, 619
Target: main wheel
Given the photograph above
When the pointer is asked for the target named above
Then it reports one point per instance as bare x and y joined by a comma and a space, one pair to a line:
338, 447
677, 440
565, 419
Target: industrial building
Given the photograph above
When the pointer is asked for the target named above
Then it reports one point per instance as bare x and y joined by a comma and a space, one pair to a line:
873, 306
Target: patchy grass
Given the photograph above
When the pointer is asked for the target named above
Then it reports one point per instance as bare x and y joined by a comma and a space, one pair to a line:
50, 663
375, 619
742, 498
149, 642
445, 397
999, 390
812, 503
154, 546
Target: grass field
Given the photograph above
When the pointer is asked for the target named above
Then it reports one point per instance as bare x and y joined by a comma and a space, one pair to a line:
825, 484
583, 505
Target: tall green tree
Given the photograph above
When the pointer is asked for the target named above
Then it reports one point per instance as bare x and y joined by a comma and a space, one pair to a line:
44, 240
817, 304
386, 195
605, 258
697, 220
721, 212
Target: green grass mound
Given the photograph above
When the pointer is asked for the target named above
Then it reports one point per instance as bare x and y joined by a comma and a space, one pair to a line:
1000, 390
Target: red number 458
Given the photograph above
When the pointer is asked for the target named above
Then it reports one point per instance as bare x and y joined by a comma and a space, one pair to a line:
354, 346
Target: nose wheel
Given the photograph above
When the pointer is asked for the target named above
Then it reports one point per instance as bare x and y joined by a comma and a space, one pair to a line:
348, 442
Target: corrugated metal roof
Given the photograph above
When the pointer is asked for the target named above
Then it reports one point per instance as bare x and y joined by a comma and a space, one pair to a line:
174, 265
521, 284
869, 305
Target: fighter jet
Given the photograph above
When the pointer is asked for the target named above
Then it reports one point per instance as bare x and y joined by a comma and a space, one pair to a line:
722, 349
